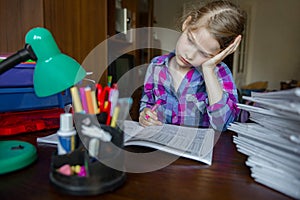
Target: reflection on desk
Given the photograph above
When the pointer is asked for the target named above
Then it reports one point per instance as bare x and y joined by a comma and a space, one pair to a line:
226, 178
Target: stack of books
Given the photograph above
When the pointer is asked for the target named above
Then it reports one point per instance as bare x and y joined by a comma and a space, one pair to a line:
271, 139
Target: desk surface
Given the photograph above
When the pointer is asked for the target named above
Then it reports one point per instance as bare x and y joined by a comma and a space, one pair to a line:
227, 178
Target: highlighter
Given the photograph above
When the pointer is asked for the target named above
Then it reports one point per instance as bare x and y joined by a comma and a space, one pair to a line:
154, 107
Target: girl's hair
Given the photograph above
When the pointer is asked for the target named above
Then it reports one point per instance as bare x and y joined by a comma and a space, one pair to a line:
223, 19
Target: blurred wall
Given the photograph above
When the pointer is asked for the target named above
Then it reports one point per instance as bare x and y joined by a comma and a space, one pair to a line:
272, 52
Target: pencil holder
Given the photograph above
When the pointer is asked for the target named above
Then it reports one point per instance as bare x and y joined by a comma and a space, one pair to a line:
95, 167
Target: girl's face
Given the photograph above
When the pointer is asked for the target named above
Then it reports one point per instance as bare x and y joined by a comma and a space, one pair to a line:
194, 47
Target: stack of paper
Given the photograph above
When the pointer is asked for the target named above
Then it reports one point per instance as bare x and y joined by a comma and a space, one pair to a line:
272, 139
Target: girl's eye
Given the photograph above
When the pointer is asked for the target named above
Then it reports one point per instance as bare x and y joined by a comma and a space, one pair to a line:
189, 39
204, 54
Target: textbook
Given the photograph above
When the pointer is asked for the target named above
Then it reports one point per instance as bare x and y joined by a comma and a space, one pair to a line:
192, 143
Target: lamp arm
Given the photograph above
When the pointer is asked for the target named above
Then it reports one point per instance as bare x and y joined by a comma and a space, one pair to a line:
15, 59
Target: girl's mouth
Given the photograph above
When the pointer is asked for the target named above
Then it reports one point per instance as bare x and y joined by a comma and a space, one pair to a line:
184, 61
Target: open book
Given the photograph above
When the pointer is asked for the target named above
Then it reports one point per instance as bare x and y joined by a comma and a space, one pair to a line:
192, 143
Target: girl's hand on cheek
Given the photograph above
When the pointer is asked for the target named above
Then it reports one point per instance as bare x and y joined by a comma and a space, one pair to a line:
149, 118
212, 62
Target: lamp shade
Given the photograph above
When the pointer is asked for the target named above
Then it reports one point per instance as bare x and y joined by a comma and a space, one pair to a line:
54, 71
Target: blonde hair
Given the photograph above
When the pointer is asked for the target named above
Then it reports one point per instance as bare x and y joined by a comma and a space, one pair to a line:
223, 19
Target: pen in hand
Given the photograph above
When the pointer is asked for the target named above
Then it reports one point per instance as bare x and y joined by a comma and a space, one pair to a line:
154, 107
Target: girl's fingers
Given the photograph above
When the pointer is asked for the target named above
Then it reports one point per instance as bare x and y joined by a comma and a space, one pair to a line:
148, 118
230, 49
236, 43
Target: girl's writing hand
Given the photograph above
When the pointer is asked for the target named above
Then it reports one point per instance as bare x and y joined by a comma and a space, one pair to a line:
150, 120
211, 63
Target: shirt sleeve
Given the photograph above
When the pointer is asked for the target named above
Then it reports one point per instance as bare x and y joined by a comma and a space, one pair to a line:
147, 99
222, 113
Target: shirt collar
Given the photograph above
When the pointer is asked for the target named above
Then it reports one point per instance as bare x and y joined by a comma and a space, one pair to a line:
165, 59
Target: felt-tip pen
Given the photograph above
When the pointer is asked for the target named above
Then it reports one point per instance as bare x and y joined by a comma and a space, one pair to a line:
154, 107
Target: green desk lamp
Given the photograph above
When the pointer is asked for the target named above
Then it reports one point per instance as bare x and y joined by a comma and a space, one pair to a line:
54, 72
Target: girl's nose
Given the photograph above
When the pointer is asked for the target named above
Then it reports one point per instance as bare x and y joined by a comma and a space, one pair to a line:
189, 55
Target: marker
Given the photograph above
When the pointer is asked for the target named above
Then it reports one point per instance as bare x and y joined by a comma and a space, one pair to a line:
76, 99
83, 100
94, 101
124, 104
113, 98
115, 116
154, 107
89, 100
109, 79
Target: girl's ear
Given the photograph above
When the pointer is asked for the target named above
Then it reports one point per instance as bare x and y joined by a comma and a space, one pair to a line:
186, 22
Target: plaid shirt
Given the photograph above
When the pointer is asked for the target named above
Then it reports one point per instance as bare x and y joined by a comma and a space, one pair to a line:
189, 106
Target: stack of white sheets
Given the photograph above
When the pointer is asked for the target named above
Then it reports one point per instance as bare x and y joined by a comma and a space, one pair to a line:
271, 139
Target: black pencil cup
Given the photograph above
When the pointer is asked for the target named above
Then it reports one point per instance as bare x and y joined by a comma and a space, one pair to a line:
102, 175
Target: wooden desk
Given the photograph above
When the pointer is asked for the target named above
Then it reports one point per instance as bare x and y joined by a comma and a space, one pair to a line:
227, 178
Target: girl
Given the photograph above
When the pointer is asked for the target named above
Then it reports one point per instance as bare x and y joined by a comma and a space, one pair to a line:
194, 87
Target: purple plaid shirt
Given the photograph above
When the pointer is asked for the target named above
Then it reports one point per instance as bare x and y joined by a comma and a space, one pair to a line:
189, 106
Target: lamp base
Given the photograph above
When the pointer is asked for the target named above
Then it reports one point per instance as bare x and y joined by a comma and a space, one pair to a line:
15, 155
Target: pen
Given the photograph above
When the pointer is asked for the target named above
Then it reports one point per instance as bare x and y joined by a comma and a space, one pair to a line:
107, 105
154, 107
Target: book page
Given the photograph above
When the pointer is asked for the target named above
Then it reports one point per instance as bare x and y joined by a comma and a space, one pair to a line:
193, 143
291, 109
290, 94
